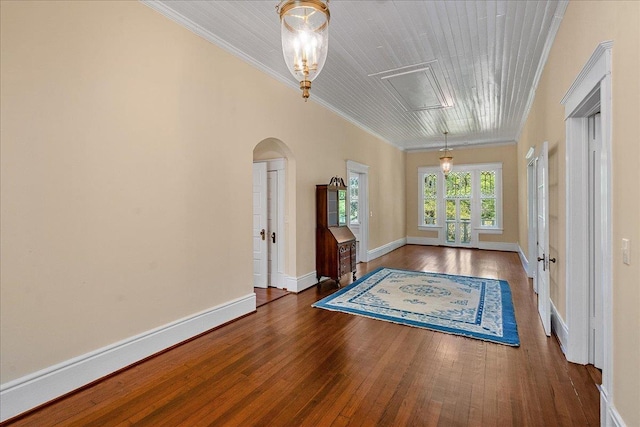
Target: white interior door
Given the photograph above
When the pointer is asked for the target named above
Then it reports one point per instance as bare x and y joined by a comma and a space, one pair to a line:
260, 225
542, 273
596, 337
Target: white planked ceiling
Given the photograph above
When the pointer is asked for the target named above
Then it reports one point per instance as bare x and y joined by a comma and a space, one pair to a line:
483, 57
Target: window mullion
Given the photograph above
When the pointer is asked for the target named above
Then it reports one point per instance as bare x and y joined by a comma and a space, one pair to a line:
476, 204
458, 223
498, 197
442, 209
440, 195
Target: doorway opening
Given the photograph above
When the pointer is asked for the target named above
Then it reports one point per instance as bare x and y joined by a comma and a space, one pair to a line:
458, 189
589, 270
271, 230
268, 223
358, 207
541, 281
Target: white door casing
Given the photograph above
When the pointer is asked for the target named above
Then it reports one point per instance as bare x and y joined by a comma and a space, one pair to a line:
596, 350
590, 92
363, 194
542, 273
260, 278
532, 212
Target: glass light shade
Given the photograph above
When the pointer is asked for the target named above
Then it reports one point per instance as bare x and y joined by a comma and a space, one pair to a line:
446, 163
304, 27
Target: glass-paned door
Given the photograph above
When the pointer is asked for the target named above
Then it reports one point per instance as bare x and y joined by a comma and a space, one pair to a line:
458, 208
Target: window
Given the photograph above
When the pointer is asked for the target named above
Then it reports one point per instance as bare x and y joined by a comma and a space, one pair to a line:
354, 201
488, 198
466, 203
430, 199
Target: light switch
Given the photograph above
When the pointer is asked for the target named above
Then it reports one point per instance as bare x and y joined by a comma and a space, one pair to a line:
626, 249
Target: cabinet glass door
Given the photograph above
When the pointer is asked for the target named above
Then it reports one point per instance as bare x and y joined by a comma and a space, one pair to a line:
342, 207
332, 208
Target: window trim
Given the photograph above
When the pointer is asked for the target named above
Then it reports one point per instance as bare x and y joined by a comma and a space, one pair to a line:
421, 223
475, 198
422, 171
490, 229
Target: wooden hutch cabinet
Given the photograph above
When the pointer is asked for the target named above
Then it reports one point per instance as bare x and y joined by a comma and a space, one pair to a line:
335, 243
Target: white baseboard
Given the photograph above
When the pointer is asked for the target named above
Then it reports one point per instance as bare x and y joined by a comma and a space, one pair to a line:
609, 416
299, 284
33, 390
525, 262
614, 416
490, 246
559, 327
425, 241
385, 249
498, 246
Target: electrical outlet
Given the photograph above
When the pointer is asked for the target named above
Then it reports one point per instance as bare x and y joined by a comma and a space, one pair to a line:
626, 249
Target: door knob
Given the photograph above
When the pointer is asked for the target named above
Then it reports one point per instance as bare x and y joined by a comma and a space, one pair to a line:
542, 259
273, 237
262, 233
544, 264
553, 260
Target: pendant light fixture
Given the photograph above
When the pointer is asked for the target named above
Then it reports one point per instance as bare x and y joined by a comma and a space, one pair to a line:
446, 160
304, 28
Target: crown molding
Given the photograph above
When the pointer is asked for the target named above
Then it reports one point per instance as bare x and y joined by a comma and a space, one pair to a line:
180, 19
481, 144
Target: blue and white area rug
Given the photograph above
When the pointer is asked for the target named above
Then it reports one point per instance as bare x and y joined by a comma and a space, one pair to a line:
474, 307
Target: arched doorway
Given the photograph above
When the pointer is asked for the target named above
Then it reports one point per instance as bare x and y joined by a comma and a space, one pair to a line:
274, 214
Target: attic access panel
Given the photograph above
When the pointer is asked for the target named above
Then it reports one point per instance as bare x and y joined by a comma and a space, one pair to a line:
417, 87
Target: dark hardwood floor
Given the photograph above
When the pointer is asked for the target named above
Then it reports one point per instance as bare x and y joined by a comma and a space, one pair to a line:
290, 365
267, 295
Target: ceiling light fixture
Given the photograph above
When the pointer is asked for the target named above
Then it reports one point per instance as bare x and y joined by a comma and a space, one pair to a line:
304, 27
446, 160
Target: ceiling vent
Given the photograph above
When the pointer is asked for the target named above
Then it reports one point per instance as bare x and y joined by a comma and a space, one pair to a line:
417, 87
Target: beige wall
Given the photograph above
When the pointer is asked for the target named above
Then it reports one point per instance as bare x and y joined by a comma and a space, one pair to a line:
505, 154
126, 152
585, 25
